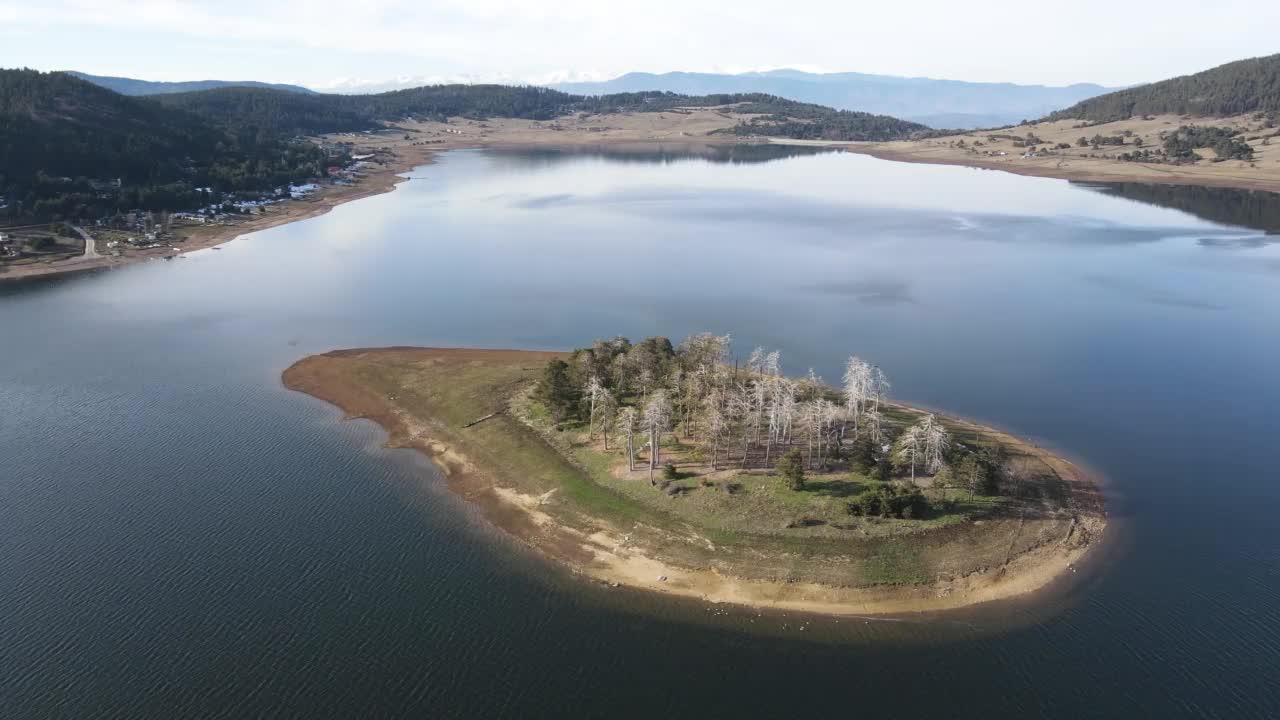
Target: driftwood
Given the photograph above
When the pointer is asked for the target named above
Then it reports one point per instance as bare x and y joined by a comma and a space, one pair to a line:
477, 421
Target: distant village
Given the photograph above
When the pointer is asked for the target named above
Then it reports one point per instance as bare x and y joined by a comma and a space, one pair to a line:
144, 229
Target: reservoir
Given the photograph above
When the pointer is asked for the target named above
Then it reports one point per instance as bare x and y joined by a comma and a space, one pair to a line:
180, 536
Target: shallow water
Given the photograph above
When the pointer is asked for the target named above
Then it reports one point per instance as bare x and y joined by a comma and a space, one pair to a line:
179, 536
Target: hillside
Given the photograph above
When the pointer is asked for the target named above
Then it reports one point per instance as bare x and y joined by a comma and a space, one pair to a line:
62, 138
131, 86
282, 112
937, 103
268, 111
1245, 86
69, 148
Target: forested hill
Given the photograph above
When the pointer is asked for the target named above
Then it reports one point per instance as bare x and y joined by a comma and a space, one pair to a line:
1245, 86
293, 113
269, 111
131, 86
70, 148
60, 125
285, 112
62, 138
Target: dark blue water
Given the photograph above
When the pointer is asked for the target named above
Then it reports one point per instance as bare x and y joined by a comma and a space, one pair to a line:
181, 537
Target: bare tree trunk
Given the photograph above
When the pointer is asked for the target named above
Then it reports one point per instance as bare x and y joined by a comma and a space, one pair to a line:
653, 452
591, 419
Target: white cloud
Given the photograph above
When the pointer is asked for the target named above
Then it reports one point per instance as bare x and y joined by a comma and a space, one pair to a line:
379, 41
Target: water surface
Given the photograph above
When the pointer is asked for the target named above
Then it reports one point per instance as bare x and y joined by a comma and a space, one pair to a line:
181, 537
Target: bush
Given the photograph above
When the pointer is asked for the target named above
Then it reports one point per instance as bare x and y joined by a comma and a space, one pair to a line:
884, 469
669, 472
862, 456
865, 504
557, 391
889, 501
791, 468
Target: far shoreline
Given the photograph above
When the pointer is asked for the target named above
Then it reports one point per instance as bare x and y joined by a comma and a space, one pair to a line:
603, 556
408, 151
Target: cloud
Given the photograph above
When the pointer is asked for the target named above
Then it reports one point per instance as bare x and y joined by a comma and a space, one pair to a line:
387, 39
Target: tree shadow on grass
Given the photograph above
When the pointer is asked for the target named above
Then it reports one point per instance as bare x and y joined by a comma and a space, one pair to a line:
834, 487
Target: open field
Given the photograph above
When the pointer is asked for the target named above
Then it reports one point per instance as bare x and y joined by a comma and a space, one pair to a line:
577, 503
996, 150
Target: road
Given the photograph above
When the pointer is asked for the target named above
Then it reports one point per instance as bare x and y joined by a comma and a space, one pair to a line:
90, 252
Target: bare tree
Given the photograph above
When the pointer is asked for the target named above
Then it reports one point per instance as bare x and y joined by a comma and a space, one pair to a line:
657, 417
936, 440
873, 424
646, 379
716, 423
593, 391
858, 380
627, 420
879, 387
607, 409
910, 447
740, 407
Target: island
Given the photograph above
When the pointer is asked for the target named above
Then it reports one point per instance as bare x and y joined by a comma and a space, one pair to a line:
677, 469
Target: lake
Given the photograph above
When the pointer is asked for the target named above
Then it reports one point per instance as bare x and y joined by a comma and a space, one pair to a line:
182, 537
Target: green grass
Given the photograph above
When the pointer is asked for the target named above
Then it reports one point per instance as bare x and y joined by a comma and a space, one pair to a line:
896, 562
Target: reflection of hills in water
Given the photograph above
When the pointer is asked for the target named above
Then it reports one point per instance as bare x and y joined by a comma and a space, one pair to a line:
659, 153
1255, 209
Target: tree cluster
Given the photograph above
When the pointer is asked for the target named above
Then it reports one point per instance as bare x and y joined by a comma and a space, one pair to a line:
750, 415
1225, 142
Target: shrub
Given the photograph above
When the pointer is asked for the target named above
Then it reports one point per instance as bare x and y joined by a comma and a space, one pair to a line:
669, 472
865, 503
557, 391
889, 501
791, 468
862, 456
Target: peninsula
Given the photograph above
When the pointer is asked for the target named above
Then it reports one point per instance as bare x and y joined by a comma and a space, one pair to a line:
674, 469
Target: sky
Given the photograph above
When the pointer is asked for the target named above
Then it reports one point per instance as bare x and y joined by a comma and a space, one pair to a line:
361, 44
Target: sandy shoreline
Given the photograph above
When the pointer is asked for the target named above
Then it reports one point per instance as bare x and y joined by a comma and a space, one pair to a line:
1099, 173
604, 554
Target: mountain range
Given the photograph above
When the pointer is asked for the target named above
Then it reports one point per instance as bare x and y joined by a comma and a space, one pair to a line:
936, 103
130, 86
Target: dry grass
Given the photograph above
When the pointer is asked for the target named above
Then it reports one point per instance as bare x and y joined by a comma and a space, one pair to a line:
1100, 165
